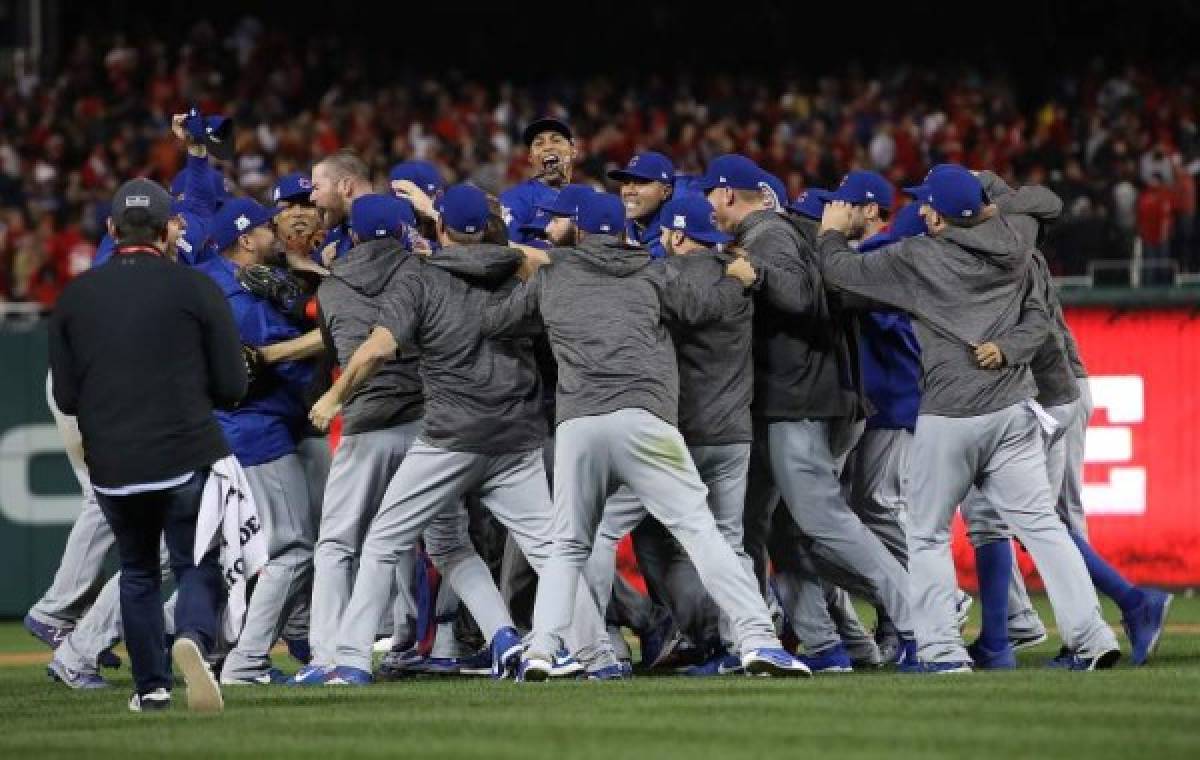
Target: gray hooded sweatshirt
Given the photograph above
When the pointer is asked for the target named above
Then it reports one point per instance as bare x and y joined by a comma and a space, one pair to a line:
963, 288
350, 301
482, 395
605, 307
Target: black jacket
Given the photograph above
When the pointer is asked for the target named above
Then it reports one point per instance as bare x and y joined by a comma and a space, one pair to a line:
141, 351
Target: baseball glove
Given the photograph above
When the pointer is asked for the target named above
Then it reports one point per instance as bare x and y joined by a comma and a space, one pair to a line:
257, 372
299, 229
281, 288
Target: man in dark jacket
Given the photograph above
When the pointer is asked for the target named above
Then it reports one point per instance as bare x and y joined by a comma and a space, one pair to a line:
800, 400
606, 312
142, 350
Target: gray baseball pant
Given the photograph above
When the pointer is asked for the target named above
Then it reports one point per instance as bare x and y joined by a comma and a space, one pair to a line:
431, 482
80, 574
1070, 496
1003, 452
362, 468
280, 492
595, 455
316, 459
795, 461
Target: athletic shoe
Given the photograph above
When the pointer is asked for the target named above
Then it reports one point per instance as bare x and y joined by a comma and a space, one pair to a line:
906, 653
1102, 661
75, 679
505, 650
534, 669
773, 661
1025, 640
659, 643
478, 664
50, 635
309, 675
721, 665
159, 699
272, 676
299, 649
936, 668
608, 673
962, 606
829, 660
344, 675
987, 659
1061, 660
1145, 625
400, 663
203, 693
566, 666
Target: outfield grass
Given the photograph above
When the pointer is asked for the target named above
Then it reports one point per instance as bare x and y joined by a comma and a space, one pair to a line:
1140, 713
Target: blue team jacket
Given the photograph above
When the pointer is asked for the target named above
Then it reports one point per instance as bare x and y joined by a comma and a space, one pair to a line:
891, 361
520, 203
649, 235
261, 429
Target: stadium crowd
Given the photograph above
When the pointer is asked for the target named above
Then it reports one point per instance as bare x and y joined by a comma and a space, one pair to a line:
1119, 145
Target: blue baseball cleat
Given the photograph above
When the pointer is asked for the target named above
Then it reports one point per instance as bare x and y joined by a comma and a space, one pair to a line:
608, 673
906, 653
1102, 661
566, 666
774, 661
1144, 626
400, 663
534, 669
659, 643
721, 665
505, 649
1061, 660
936, 668
987, 659
832, 659
50, 635
309, 675
75, 679
344, 675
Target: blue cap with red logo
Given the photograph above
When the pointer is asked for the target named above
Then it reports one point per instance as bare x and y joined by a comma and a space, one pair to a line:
952, 190
861, 187
237, 217
693, 215
646, 167
423, 174
731, 170
292, 188
810, 203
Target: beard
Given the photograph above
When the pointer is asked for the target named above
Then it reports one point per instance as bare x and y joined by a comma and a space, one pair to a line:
567, 239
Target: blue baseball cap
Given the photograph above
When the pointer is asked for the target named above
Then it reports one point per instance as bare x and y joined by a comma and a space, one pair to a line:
731, 170
537, 225
810, 203
775, 188
646, 167
545, 124
566, 203
861, 187
236, 218
601, 214
376, 215
952, 190
693, 215
908, 222
292, 188
423, 174
464, 208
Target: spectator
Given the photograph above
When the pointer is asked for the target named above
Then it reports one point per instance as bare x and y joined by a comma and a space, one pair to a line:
1155, 215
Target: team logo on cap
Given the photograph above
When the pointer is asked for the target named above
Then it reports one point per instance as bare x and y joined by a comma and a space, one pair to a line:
606, 228
306, 183
679, 222
241, 223
275, 194
469, 229
137, 201
634, 161
768, 191
381, 232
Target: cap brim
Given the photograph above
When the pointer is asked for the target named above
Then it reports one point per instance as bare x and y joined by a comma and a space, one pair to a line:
804, 212
917, 191
625, 175
546, 125
712, 238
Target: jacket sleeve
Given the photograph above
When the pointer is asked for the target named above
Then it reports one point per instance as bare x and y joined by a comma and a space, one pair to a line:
401, 311
198, 195
1021, 343
888, 275
689, 301
518, 209
786, 278
227, 379
62, 364
510, 315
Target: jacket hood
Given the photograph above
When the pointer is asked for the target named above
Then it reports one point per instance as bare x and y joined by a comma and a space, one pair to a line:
368, 267
607, 254
995, 239
490, 264
1032, 200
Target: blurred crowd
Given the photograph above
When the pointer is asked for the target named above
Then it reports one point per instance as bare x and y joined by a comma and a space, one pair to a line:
1119, 144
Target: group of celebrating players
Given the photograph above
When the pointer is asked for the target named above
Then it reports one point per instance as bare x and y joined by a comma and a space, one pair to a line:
525, 380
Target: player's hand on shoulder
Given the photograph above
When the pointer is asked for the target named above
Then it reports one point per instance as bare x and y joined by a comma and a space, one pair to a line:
742, 270
989, 356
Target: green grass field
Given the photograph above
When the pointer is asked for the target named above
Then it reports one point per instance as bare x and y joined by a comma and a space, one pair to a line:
1144, 713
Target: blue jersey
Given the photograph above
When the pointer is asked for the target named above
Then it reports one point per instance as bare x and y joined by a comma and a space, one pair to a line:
263, 428
520, 203
338, 236
649, 235
891, 361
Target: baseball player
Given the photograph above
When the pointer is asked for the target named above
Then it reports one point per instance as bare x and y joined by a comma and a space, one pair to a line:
715, 383
262, 434
799, 403
380, 421
647, 182
604, 309
963, 283
552, 156
482, 435
337, 180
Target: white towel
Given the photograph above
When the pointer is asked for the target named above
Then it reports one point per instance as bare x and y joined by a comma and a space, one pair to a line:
229, 518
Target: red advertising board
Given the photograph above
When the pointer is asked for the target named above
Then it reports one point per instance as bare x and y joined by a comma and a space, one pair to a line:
1142, 461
